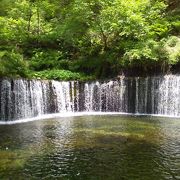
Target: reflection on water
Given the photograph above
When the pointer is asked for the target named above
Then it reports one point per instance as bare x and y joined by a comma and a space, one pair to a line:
91, 147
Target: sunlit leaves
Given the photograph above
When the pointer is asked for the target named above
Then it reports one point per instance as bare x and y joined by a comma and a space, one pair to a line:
110, 31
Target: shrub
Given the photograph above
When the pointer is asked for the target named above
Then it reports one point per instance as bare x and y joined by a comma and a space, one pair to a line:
172, 47
42, 60
12, 64
60, 75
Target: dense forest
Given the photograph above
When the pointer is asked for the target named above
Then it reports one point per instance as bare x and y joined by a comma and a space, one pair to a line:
88, 39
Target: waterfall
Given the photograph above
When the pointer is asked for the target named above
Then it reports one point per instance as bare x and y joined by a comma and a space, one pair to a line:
30, 98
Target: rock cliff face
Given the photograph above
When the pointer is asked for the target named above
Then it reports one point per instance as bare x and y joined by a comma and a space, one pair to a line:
30, 98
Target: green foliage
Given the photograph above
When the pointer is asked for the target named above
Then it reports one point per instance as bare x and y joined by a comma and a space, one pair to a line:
172, 48
166, 50
60, 75
142, 52
12, 64
173, 16
95, 37
46, 60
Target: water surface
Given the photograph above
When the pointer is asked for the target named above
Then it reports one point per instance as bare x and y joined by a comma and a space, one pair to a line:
91, 147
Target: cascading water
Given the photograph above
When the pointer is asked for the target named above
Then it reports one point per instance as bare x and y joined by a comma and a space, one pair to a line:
29, 98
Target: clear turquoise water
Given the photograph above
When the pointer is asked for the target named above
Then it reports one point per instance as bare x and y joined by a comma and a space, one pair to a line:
91, 147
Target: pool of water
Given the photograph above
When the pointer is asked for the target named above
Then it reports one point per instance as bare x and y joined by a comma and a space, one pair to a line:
91, 147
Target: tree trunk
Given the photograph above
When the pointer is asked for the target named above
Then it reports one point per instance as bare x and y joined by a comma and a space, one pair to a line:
104, 39
29, 19
38, 23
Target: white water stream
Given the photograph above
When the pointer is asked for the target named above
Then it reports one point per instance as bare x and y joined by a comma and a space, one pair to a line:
158, 95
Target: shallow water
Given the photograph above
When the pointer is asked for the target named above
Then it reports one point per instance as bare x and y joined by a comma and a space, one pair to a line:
91, 147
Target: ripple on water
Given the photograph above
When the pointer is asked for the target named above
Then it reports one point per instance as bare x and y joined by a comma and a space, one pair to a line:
91, 147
